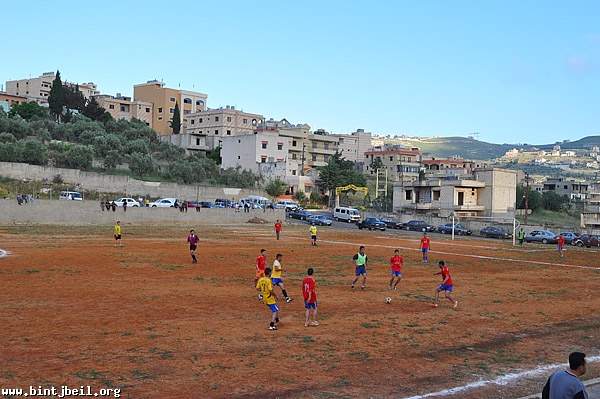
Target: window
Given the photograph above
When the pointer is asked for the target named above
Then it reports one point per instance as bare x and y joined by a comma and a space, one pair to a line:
216, 131
293, 173
391, 158
253, 122
294, 156
436, 195
566, 187
123, 108
280, 146
326, 146
326, 158
147, 109
200, 121
294, 143
263, 159
111, 106
199, 102
187, 100
186, 111
171, 110
160, 118
239, 157
160, 110
216, 118
192, 121
172, 99
408, 195
314, 157
264, 145
229, 119
229, 132
197, 141
245, 121
239, 141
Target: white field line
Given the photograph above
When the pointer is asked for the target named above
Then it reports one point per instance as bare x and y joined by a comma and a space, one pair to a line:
502, 380
533, 262
450, 242
3, 253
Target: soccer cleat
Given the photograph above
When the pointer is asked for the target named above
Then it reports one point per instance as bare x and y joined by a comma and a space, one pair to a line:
362, 287
435, 305
455, 304
272, 328
314, 323
352, 286
288, 299
260, 297
306, 324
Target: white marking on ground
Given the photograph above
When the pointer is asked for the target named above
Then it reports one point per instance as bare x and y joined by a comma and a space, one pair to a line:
3, 253
454, 243
533, 262
502, 380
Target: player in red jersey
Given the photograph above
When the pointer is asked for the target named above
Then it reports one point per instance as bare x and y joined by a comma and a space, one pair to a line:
309, 292
425, 246
193, 241
278, 227
261, 264
560, 245
447, 285
396, 263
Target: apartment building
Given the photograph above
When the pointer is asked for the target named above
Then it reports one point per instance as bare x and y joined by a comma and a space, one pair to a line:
485, 192
38, 89
164, 100
353, 146
211, 125
123, 107
574, 189
590, 217
8, 100
401, 163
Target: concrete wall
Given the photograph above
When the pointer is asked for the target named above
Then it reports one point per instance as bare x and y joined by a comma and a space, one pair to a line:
76, 213
124, 184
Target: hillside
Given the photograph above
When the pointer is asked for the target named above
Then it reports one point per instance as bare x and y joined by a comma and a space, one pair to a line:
585, 142
457, 146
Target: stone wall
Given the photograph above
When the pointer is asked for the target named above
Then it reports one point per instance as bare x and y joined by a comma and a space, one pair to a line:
112, 183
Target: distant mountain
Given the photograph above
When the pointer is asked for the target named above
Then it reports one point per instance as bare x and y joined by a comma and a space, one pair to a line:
586, 142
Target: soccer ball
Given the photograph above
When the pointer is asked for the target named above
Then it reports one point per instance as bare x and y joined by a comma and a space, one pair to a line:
388, 300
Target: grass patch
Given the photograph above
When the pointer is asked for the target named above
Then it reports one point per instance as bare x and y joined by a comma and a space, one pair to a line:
142, 375
374, 324
361, 355
171, 267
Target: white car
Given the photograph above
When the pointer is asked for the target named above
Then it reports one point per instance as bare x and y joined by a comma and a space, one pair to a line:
130, 202
70, 196
286, 204
164, 203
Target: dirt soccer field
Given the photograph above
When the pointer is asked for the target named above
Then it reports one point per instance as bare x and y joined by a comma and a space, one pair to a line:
75, 311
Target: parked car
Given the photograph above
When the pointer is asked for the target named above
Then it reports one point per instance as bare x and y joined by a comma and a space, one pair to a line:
459, 229
130, 202
587, 240
299, 214
319, 220
164, 203
371, 224
494, 232
569, 236
70, 195
418, 225
223, 203
206, 204
286, 204
543, 236
392, 224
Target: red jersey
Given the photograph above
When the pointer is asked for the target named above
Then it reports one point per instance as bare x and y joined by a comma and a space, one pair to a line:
425, 241
278, 227
309, 288
261, 263
396, 263
446, 273
561, 241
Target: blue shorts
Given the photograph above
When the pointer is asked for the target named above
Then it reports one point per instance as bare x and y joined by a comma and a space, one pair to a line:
424, 250
310, 305
396, 274
445, 287
276, 281
361, 270
274, 308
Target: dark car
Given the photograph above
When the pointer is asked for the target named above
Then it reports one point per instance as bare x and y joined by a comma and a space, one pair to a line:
418, 225
371, 224
392, 224
319, 220
570, 237
206, 204
587, 240
494, 232
459, 229
299, 214
223, 203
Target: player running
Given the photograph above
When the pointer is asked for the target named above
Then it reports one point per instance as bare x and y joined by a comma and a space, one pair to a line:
278, 227
396, 263
313, 235
277, 276
117, 233
309, 292
193, 239
446, 285
261, 264
560, 245
265, 289
425, 246
360, 262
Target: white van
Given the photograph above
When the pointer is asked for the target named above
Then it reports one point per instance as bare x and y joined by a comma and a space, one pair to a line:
345, 214
70, 195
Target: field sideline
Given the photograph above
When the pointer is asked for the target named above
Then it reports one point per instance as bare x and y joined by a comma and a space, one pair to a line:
78, 311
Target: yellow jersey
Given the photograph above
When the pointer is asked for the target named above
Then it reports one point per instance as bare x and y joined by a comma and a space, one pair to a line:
117, 230
313, 230
277, 269
265, 286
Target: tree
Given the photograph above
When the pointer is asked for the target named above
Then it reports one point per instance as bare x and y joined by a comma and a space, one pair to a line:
56, 98
339, 172
275, 188
10, 152
300, 196
140, 164
74, 99
552, 201
215, 155
182, 171
112, 159
534, 200
7, 138
376, 164
34, 152
94, 111
176, 122
28, 111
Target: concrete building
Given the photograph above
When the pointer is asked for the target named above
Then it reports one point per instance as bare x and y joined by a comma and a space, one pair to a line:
122, 107
402, 164
8, 100
164, 100
353, 146
89, 89
574, 189
590, 217
485, 192
211, 125
38, 89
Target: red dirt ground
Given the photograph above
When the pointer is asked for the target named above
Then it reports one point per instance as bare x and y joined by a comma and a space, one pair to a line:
75, 310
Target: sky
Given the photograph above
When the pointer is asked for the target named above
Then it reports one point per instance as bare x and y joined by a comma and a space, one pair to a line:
514, 71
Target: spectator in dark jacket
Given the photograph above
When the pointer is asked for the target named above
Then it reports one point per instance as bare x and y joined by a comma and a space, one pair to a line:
565, 384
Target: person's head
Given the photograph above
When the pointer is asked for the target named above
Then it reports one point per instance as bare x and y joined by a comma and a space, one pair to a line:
577, 363
310, 271
192, 231
268, 272
361, 249
263, 252
396, 252
441, 264
118, 222
312, 224
424, 234
278, 256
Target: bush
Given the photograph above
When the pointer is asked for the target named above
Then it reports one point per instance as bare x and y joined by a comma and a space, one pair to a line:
275, 188
34, 152
140, 164
7, 138
10, 152
112, 159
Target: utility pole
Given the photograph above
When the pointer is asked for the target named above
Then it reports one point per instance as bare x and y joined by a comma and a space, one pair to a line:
526, 195
303, 148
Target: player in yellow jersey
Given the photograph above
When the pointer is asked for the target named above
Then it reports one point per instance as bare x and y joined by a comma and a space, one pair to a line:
277, 276
313, 235
265, 287
117, 233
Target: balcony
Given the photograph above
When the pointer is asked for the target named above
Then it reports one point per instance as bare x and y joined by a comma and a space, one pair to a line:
469, 207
